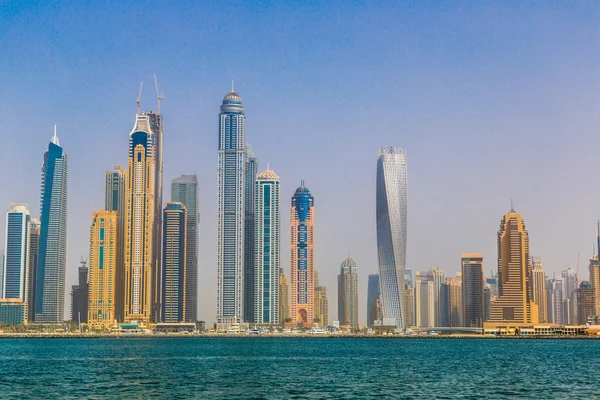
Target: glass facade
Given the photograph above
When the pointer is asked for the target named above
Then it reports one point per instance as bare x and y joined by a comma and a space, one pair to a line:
185, 190
391, 204
17, 252
249, 239
267, 260
52, 262
230, 210
174, 263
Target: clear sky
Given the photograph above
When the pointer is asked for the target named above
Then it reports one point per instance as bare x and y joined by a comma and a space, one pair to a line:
493, 101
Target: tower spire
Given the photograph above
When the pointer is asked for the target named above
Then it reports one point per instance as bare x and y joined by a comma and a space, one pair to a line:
139, 97
54, 137
232, 86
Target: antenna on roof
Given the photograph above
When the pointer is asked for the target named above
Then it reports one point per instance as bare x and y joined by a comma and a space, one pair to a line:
139, 96
54, 137
232, 85
159, 95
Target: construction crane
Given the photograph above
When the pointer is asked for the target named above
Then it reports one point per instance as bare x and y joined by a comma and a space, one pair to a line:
159, 95
139, 97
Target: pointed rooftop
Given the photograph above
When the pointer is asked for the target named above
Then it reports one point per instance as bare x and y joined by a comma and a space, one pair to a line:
54, 139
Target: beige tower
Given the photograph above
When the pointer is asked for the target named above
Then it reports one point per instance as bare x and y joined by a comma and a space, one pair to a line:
539, 286
139, 218
284, 297
102, 272
595, 281
302, 257
515, 287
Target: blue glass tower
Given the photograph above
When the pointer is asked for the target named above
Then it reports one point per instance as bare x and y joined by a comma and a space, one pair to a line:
230, 211
174, 262
50, 280
17, 252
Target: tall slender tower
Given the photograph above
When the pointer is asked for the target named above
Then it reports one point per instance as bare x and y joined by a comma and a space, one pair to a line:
230, 212
284, 297
472, 289
539, 286
373, 293
34, 246
249, 239
302, 257
115, 200
348, 293
16, 266
515, 287
156, 126
104, 239
391, 232
267, 259
52, 262
438, 277
139, 223
174, 263
185, 190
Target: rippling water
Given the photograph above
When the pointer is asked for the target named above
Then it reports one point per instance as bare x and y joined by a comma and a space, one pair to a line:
312, 368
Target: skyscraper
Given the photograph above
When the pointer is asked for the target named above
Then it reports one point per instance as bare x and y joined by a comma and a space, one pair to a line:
16, 264
52, 262
1, 275
539, 286
472, 289
104, 239
372, 298
267, 258
80, 296
139, 224
594, 269
321, 305
115, 190
569, 279
249, 232
34, 247
391, 203
554, 301
585, 303
230, 211
284, 297
174, 263
424, 301
348, 293
185, 190
302, 256
450, 302
515, 301
156, 127
438, 277
487, 303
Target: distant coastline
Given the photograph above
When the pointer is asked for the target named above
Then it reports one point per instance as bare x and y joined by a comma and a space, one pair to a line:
301, 336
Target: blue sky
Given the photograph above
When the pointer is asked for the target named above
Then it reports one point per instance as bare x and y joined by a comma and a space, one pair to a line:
492, 100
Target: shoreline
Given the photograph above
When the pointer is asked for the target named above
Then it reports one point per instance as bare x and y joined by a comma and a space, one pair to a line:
301, 336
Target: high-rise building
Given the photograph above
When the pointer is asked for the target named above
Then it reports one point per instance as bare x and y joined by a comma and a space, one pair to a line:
1, 275
104, 239
515, 301
539, 286
372, 299
174, 263
321, 306
554, 301
408, 276
230, 211
594, 269
284, 297
302, 257
487, 303
391, 203
115, 190
569, 278
80, 296
267, 250
52, 261
185, 190
16, 264
424, 301
472, 289
251, 173
410, 306
437, 276
139, 224
34, 247
156, 122
348, 294
450, 302
585, 303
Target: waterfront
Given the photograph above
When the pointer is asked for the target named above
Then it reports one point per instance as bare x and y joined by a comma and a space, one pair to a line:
234, 368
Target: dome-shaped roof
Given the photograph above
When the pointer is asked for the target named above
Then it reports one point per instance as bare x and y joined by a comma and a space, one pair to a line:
349, 262
302, 189
232, 95
268, 175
